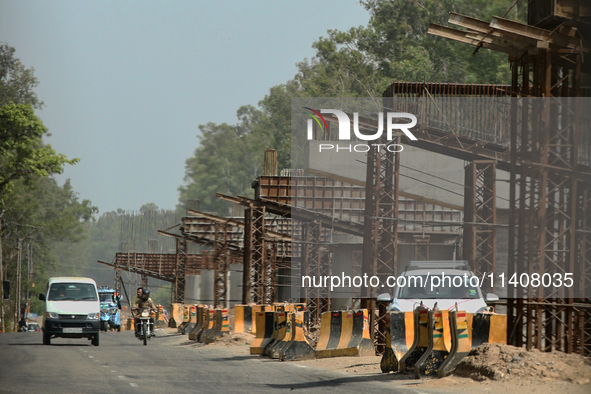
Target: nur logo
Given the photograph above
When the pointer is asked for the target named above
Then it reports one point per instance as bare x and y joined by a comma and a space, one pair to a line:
345, 124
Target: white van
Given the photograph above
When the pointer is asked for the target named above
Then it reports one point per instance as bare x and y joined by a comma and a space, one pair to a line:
72, 309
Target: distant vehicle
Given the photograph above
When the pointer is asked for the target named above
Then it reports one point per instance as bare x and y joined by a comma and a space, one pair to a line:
457, 289
110, 308
33, 327
72, 309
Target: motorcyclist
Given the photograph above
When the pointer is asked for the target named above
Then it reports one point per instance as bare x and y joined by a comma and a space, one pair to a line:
137, 296
143, 302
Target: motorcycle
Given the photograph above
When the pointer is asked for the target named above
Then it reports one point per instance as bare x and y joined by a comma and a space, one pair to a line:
145, 324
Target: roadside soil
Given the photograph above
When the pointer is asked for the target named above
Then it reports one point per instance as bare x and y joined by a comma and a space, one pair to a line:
493, 368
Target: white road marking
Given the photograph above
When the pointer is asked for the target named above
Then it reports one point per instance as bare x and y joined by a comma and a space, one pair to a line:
90, 356
121, 377
133, 384
113, 371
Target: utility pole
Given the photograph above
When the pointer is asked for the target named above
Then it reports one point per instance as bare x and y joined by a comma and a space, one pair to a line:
17, 301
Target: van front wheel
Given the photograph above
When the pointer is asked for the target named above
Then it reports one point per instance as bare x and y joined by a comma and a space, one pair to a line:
46, 338
95, 340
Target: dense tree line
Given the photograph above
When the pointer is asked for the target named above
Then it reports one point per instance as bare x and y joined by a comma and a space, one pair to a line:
360, 62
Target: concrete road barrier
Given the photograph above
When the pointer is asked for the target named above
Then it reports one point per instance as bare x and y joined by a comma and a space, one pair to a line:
298, 348
460, 342
399, 338
207, 324
192, 319
489, 328
420, 340
198, 323
176, 315
264, 332
347, 334
216, 330
185, 323
279, 324
439, 344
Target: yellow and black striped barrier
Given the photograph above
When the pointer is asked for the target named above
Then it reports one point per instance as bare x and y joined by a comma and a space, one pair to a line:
264, 332
420, 340
460, 325
176, 315
216, 330
198, 323
185, 322
279, 325
225, 322
192, 319
344, 333
242, 318
298, 347
399, 338
207, 324
439, 344
489, 328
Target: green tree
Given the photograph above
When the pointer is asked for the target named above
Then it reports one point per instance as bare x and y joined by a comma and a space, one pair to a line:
16, 81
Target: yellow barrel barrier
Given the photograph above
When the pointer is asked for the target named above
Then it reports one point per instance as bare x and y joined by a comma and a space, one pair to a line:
216, 330
330, 333
298, 347
420, 340
192, 319
489, 328
279, 327
176, 315
264, 332
198, 323
460, 342
399, 338
225, 322
439, 344
185, 322
160, 322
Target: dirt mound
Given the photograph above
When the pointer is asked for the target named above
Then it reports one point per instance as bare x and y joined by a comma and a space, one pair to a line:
507, 363
235, 339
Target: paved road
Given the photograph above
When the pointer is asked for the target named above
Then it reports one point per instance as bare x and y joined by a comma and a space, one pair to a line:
169, 364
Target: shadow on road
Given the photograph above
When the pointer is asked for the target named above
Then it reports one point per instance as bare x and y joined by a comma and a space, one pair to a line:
343, 381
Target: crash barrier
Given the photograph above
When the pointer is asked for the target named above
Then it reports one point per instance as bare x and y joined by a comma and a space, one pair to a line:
242, 318
207, 324
130, 325
192, 319
264, 332
344, 333
209, 336
443, 338
439, 344
198, 323
160, 318
279, 327
176, 315
420, 340
185, 322
489, 328
256, 309
460, 341
225, 322
399, 338
297, 346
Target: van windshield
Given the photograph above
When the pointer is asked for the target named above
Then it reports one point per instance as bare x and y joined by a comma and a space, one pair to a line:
72, 292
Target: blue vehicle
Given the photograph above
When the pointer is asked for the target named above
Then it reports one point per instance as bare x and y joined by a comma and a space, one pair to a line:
110, 309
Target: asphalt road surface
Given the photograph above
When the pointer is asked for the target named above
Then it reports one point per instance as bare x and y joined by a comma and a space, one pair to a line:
168, 364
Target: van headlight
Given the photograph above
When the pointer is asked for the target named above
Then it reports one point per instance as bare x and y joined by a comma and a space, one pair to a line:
51, 315
93, 316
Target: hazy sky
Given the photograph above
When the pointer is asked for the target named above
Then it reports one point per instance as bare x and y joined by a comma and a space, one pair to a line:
126, 83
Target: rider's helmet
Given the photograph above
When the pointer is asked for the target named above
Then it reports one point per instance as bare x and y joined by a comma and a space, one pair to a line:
145, 293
